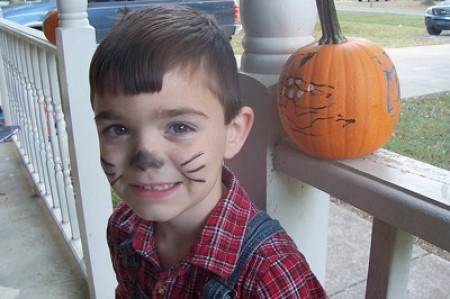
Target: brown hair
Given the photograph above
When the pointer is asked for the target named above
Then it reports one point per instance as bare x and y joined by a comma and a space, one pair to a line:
148, 43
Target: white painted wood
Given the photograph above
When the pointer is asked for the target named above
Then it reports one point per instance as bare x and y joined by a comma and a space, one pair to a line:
408, 174
3, 83
405, 209
301, 209
41, 129
33, 80
53, 160
93, 197
60, 144
273, 31
390, 258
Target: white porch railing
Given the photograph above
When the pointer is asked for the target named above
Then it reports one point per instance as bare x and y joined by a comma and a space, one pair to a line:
45, 90
33, 98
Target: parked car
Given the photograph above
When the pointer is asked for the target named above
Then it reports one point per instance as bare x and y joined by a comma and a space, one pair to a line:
437, 18
102, 14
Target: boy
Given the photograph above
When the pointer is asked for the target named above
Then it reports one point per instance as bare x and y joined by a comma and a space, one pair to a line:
165, 94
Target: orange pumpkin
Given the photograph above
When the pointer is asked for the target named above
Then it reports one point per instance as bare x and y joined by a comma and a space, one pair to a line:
49, 25
338, 98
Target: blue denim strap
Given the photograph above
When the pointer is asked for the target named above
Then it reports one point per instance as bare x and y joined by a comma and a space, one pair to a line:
259, 229
127, 254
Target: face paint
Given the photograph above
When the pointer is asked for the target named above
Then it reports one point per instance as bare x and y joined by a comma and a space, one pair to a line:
190, 171
144, 160
108, 170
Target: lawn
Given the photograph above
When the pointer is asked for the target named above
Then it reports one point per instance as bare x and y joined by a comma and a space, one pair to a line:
387, 29
423, 131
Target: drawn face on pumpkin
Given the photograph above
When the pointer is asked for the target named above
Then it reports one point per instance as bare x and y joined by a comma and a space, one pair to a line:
163, 152
332, 108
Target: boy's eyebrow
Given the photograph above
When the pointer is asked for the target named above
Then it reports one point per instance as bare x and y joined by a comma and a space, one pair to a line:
169, 113
165, 113
106, 115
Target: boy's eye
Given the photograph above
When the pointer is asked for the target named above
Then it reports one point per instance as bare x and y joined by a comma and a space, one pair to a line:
116, 130
180, 128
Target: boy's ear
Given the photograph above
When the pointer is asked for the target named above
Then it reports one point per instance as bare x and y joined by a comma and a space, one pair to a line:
238, 130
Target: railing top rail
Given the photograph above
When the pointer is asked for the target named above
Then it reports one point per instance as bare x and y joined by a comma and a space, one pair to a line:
31, 35
425, 181
401, 191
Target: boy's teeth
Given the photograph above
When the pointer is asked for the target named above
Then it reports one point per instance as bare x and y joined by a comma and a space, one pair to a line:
159, 187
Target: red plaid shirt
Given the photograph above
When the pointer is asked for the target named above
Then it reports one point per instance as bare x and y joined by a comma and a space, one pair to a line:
276, 270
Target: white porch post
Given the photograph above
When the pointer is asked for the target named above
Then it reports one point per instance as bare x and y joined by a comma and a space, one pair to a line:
274, 30
390, 260
75, 45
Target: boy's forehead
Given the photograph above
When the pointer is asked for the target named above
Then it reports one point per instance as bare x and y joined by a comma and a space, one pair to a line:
195, 73
179, 82
195, 78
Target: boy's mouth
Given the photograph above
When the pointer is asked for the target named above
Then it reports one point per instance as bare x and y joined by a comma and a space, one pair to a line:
161, 187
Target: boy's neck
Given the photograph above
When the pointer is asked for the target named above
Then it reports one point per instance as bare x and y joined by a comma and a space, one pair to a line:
174, 239
174, 243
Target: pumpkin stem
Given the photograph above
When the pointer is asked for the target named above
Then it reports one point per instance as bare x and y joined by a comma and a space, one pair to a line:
331, 30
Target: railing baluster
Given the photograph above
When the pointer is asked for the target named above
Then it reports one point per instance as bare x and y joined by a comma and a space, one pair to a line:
7, 106
13, 92
20, 90
39, 129
26, 100
39, 66
31, 104
68, 205
53, 160
63, 164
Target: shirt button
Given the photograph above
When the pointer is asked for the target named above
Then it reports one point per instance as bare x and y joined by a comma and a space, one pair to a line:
161, 290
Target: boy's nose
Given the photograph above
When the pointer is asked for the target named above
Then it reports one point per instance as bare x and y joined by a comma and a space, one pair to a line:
143, 160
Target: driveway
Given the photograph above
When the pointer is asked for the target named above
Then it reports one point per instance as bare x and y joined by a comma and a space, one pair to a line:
422, 70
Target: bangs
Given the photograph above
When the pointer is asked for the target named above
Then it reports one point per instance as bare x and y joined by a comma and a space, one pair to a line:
134, 69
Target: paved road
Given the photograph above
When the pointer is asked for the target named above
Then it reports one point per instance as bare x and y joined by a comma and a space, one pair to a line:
422, 70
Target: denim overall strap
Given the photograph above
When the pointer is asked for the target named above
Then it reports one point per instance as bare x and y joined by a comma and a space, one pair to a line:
259, 229
130, 262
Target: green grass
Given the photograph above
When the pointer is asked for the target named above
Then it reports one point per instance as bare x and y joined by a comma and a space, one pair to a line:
115, 198
423, 131
387, 29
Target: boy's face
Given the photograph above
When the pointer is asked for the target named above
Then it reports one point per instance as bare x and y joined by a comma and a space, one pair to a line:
163, 152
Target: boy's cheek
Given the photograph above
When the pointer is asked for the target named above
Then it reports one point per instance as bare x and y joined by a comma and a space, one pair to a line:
111, 159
